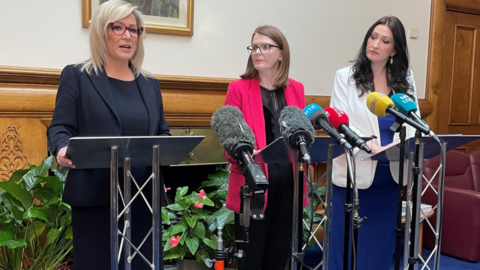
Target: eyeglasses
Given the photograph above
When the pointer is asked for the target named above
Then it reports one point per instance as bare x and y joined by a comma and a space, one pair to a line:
264, 48
119, 29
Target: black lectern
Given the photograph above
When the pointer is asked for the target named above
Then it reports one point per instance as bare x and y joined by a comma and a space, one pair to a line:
141, 151
324, 149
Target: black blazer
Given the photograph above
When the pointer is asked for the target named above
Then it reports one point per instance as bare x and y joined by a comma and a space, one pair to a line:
85, 106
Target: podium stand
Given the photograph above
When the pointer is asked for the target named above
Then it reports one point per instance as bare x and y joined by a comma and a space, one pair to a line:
428, 148
139, 151
324, 149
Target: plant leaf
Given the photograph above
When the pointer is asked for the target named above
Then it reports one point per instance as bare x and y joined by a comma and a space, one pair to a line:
61, 173
177, 252
207, 201
18, 175
39, 213
31, 176
35, 229
178, 228
53, 235
182, 238
192, 244
181, 191
210, 243
191, 220
69, 233
175, 207
45, 195
19, 193
217, 179
165, 216
7, 239
224, 216
200, 230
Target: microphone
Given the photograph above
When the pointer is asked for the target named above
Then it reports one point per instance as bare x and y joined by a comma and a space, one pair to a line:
381, 105
297, 132
405, 105
339, 120
319, 120
238, 141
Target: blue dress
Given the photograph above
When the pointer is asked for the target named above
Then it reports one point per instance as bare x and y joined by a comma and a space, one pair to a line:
376, 237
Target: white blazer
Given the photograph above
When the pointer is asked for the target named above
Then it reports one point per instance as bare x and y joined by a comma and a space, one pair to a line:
345, 96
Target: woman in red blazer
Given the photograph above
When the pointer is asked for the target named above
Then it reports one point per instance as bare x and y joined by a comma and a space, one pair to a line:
261, 94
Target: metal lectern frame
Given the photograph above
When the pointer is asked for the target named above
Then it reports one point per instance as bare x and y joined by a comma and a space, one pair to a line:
324, 149
105, 152
428, 148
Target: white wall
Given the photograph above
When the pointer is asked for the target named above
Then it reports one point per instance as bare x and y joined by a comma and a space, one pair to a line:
323, 35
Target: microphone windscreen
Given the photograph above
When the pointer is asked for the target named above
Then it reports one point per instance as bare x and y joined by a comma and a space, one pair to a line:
313, 112
291, 120
378, 103
231, 128
336, 117
404, 104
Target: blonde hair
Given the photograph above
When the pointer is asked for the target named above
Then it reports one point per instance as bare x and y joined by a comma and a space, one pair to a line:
110, 11
281, 77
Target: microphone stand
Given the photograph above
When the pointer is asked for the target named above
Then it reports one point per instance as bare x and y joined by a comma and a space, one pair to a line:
297, 253
398, 229
351, 224
347, 208
413, 259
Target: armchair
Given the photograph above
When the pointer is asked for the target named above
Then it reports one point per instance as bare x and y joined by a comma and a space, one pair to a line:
461, 212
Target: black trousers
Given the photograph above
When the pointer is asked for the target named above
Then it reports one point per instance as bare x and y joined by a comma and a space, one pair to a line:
269, 247
91, 234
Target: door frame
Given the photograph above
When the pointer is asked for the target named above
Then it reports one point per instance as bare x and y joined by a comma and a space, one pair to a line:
435, 49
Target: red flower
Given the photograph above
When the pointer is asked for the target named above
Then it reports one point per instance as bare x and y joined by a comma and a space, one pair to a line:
202, 194
198, 205
174, 241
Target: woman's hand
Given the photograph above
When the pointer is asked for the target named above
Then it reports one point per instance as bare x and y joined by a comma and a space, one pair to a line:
377, 148
62, 160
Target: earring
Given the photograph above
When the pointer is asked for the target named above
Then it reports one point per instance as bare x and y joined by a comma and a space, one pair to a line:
391, 60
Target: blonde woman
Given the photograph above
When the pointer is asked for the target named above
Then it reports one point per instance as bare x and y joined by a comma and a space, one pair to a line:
107, 95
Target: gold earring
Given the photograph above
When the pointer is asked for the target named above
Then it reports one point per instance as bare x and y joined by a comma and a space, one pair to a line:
391, 60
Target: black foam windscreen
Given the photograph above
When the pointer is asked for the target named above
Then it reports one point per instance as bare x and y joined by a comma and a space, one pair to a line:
231, 129
292, 120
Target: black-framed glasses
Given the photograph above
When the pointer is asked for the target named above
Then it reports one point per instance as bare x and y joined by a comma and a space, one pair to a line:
264, 48
119, 29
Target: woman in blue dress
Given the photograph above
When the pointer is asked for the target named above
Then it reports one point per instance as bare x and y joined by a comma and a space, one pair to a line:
382, 66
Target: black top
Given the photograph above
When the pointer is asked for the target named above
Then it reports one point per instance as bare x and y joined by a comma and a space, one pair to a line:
132, 111
280, 176
273, 104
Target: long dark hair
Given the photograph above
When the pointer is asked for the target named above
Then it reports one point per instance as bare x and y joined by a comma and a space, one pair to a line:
397, 72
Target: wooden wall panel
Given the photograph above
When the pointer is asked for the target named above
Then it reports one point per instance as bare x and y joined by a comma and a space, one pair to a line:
462, 71
27, 100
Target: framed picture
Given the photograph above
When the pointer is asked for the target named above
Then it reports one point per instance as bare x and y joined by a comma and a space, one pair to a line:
174, 17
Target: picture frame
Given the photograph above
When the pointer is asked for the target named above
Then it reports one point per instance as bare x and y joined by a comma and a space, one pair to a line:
173, 17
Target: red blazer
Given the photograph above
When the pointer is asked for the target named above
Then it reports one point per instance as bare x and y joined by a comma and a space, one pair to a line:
246, 95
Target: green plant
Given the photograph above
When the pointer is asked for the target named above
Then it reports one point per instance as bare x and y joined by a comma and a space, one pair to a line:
192, 220
35, 225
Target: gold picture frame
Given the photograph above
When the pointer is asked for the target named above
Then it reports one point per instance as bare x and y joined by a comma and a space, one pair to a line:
178, 22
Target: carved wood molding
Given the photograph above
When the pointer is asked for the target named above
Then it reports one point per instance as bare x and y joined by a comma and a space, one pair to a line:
188, 101
11, 153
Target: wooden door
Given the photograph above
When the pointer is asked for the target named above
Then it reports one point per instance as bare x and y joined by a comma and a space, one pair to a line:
459, 103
